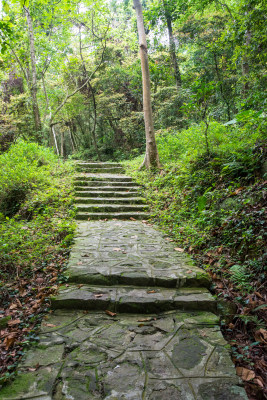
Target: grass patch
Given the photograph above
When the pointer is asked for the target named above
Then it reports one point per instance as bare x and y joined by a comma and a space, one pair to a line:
213, 204
36, 232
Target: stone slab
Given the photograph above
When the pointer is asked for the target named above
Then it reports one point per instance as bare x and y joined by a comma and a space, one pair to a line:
129, 253
130, 299
173, 355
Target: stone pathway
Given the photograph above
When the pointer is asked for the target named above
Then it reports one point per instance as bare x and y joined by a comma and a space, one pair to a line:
136, 320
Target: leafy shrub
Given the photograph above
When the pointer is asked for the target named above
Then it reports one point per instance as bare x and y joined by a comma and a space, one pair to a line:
36, 218
25, 166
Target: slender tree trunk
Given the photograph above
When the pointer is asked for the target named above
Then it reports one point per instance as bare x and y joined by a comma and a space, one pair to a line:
55, 138
245, 64
72, 141
90, 90
33, 77
62, 144
151, 157
172, 48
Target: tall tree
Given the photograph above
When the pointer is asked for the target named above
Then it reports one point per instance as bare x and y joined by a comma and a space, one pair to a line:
33, 73
151, 157
168, 12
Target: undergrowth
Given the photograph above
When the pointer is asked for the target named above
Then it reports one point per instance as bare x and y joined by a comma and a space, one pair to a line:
36, 231
213, 204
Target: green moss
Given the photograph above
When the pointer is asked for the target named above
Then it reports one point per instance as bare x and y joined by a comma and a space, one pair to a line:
4, 321
18, 387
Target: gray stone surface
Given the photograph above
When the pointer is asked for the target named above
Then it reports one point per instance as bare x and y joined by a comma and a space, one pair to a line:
129, 299
169, 345
173, 355
130, 252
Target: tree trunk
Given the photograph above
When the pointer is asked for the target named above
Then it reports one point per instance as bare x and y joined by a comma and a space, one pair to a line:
172, 48
33, 77
151, 157
245, 64
72, 141
55, 138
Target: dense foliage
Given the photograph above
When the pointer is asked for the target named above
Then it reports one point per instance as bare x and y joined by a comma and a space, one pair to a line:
36, 230
76, 84
214, 205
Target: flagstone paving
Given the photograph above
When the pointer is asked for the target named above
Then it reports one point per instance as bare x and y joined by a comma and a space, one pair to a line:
135, 321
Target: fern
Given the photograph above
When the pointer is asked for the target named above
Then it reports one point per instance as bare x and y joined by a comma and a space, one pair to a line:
240, 276
259, 323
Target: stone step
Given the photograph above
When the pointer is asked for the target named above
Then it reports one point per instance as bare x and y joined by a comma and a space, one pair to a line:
106, 177
109, 170
129, 253
91, 355
98, 164
111, 207
105, 183
133, 300
109, 200
87, 216
116, 189
99, 193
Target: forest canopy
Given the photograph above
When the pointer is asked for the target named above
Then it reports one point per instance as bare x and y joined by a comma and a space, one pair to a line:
71, 76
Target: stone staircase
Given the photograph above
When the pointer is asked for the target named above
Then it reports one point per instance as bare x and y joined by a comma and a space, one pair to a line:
135, 320
103, 192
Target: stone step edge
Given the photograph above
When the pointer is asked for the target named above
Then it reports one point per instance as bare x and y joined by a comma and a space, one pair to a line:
114, 188
112, 206
98, 163
105, 183
94, 177
126, 200
131, 299
110, 170
122, 195
83, 216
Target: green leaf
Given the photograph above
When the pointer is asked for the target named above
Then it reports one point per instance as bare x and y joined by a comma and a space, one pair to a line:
260, 307
201, 202
6, 7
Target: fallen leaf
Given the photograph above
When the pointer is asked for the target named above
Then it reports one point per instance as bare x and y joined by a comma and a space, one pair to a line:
179, 249
259, 381
50, 325
19, 303
13, 306
237, 191
14, 322
9, 341
151, 291
80, 285
144, 320
259, 295
245, 374
110, 313
98, 295
189, 271
261, 335
39, 281
117, 249
133, 219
